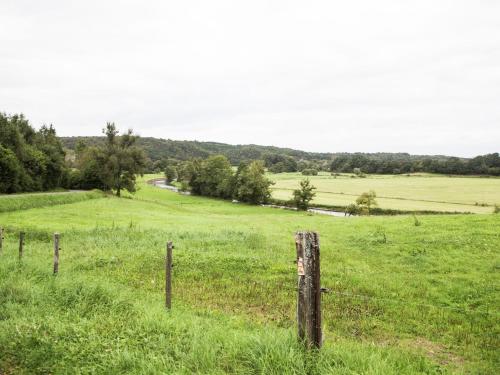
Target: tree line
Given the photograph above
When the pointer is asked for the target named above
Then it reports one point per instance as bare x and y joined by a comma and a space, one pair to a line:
38, 160
35, 160
215, 177
390, 164
30, 160
278, 160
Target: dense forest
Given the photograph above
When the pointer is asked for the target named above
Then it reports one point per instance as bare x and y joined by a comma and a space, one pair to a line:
288, 160
30, 160
157, 149
35, 160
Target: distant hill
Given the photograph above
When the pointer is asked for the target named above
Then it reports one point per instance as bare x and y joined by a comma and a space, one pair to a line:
278, 159
157, 149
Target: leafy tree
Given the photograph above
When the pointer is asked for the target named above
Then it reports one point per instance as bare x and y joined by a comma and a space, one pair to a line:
89, 165
191, 172
303, 195
366, 201
170, 173
131, 160
40, 158
250, 184
115, 164
10, 169
211, 177
278, 163
47, 142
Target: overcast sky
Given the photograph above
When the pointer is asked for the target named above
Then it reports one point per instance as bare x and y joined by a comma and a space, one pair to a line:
411, 76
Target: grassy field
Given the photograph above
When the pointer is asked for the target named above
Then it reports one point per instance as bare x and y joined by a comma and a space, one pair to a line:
400, 192
17, 202
404, 299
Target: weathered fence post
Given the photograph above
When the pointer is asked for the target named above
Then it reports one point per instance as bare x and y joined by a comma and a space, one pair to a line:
56, 253
309, 289
168, 276
21, 244
1, 239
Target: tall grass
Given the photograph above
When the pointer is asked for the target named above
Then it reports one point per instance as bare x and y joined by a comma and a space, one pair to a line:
404, 298
26, 201
86, 321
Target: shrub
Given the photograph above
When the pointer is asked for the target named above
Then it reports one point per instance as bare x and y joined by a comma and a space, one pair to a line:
366, 201
309, 172
304, 195
352, 209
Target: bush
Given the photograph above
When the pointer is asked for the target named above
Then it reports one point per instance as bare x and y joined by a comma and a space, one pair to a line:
366, 201
304, 195
250, 184
352, 209
310, 172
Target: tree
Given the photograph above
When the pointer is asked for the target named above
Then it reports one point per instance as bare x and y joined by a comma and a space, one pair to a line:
39, 156
366, 201
90, 165
211, 177
304, 195
9, 171
250, 184
120, 160
170, 173
278, 163
46, 141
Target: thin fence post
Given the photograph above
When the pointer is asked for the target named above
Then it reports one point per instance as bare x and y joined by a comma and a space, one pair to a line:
21, 244
309, 289
1, 240
56, 253
168, 276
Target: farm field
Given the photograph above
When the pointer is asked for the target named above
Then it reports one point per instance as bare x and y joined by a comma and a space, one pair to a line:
404, 298
400, 192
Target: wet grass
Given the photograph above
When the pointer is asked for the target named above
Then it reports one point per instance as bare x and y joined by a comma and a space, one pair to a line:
404, 299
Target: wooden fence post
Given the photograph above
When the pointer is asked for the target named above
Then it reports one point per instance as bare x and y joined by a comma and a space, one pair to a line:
1, 239
168, 276
309, 289
21, 244
56, 253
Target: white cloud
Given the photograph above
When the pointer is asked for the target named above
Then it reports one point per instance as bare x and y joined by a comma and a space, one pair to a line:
421, 77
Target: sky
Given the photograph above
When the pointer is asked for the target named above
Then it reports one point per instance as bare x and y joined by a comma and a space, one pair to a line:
332, 76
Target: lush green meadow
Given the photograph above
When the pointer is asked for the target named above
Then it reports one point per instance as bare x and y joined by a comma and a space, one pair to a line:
404, 298
399, 192
31, 200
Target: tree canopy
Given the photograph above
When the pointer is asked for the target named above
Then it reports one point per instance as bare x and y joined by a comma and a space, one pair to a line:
30, 160
114, 165
304, 194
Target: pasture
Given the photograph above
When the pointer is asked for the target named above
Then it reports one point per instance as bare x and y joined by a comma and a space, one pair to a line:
399, 192
403, 299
